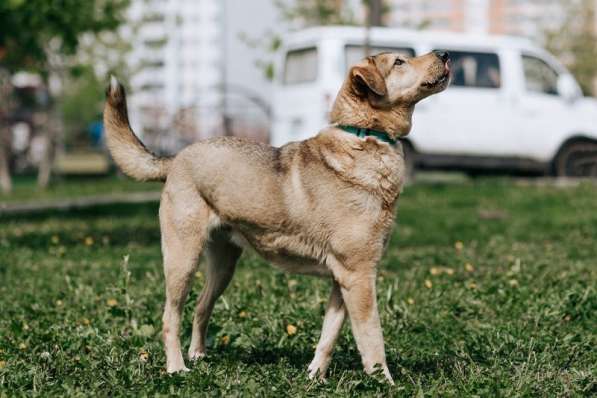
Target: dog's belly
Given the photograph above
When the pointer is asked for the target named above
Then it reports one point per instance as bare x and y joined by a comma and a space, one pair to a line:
289, 252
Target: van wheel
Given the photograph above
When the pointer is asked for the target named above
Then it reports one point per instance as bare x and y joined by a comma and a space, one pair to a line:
577, 159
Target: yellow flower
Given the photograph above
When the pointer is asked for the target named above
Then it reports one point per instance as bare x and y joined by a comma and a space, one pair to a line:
55, 239
88, 241
143, 356
428, 284
112, 302
472, 285
469, 267
435, 271
225, 340
85, 321
242, 314
59, 303
22, 346
410, 300
458, 245
513, 282
2, 364
291, 329
449, 271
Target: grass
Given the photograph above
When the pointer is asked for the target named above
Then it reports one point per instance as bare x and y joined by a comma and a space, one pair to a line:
25, 189
487, 289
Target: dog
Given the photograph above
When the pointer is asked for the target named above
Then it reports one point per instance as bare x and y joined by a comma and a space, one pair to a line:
324, 206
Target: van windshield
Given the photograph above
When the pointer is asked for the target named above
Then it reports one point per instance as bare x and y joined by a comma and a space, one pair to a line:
355, 53
301, 66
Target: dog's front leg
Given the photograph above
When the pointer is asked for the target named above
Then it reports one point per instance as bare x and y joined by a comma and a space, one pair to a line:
357, 285
332, 324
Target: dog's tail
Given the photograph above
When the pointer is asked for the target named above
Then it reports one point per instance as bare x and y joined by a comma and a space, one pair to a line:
129, 153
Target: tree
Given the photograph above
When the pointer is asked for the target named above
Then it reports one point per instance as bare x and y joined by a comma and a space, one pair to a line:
308, 13
575, 41
43, 36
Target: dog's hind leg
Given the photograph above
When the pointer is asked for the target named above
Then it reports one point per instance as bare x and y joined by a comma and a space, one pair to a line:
184, 224
222, 256
335, 314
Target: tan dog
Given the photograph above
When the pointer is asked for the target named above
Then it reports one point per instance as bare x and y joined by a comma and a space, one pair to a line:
324, 206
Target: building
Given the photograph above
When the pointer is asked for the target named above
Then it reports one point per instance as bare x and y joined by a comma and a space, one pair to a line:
176, 69
528, 18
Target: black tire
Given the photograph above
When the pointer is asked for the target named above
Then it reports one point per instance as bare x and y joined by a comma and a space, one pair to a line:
577, 159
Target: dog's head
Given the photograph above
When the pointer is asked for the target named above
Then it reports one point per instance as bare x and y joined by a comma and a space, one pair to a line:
380, 92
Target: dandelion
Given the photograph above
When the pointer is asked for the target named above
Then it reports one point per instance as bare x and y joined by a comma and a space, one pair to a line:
2, 364
22, 346
458, 245
242, 314
55, 239
410, 300
44, 355
472, 285
292, 283
85, 321
112, 302
469, 267
449, 271
88, 241
225, 340
291, 329
435, 271
428, 284
513, 282
143, 356
59, 303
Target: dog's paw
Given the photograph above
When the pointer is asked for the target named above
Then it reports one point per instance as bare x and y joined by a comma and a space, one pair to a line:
196, 355
316, 372
177, 369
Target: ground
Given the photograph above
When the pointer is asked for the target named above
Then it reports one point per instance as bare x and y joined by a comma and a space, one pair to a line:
487, 289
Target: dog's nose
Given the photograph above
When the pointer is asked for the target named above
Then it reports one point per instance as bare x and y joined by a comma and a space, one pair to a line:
443, 55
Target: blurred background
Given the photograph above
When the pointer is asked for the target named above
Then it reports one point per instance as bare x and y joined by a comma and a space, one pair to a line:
201, 68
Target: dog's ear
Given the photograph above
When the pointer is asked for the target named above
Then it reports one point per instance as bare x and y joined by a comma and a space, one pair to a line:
368, 79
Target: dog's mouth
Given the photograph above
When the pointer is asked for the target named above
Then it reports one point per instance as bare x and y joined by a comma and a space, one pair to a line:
441, 80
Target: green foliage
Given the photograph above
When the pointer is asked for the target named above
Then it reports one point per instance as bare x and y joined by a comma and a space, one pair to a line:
576, 42
29, 28
81, 102
316, 12
487, 289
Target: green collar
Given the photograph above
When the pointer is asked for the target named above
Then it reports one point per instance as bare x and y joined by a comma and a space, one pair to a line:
363, 132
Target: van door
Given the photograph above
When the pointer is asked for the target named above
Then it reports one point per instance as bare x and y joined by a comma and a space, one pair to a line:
543, 115
297, 103
471, 115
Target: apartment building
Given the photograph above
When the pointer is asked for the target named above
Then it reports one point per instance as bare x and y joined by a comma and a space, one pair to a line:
176, 69
528, 18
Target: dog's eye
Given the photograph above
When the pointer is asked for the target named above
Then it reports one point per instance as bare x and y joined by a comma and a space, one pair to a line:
398, 62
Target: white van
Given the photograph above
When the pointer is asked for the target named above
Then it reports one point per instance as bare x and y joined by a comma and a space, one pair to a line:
511, 105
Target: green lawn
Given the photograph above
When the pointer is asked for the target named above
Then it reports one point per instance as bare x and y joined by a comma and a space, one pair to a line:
487, 289
26, 191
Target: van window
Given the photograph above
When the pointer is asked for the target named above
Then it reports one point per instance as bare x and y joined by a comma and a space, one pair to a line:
355, 53
301, 66
475, 69
539, 76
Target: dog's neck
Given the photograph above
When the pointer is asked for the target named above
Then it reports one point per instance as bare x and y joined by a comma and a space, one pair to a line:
351, 110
